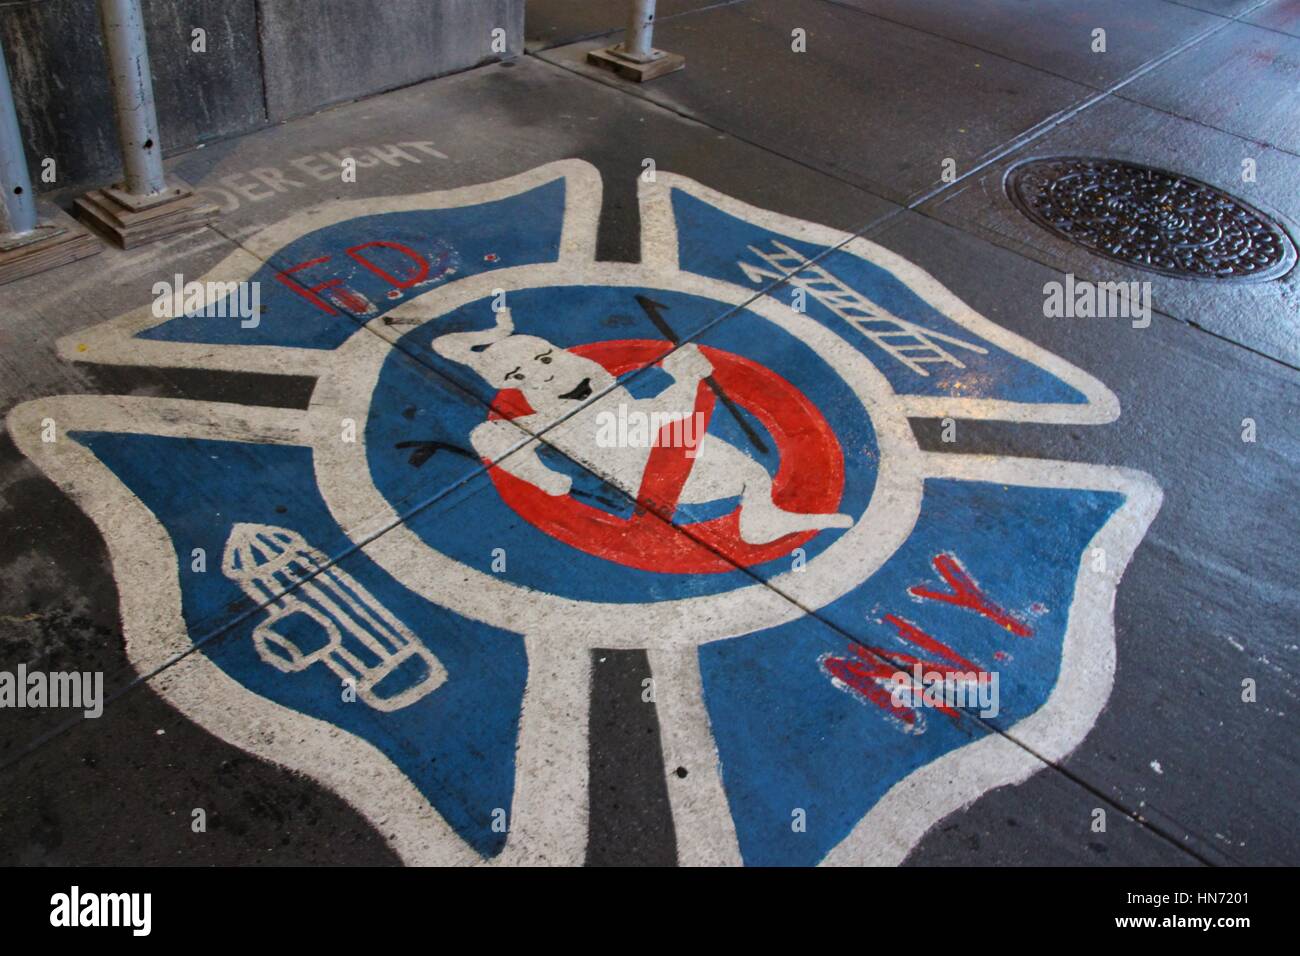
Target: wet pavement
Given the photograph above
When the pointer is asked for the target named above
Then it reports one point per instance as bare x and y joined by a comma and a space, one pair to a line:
369, 581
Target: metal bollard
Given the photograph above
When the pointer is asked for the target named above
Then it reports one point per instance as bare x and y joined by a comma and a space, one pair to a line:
636, 57
639, 40
137, 119
18, 208
33, 237
147, 204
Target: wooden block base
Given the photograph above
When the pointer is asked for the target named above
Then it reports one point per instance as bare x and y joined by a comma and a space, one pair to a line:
130, 227
67, 242
660, 63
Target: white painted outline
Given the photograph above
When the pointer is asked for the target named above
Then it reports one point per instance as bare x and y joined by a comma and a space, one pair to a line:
548, 817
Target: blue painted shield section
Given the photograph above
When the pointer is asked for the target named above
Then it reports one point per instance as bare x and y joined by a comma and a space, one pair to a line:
456, 744
788, 737
714, 243
453, 244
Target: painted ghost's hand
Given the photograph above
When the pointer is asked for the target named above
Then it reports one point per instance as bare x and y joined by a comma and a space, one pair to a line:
688, 364
554, 483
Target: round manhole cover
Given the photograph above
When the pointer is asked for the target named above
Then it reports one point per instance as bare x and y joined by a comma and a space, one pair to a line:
1151, 218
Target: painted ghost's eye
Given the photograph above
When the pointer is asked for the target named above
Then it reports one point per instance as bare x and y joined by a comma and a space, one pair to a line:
545, 359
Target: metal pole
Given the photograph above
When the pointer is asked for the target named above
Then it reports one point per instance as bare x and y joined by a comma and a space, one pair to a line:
137, 120
636, 57
18, 208
147, 205
638, 41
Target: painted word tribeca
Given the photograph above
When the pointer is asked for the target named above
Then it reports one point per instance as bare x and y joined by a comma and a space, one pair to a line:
414, 581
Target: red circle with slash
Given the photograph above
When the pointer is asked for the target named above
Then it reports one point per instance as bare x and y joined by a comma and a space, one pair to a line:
809, 478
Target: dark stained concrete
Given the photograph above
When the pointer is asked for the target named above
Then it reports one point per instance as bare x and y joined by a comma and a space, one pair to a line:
1240, 80
1056, 36
1260, 316
888, 136
549, 23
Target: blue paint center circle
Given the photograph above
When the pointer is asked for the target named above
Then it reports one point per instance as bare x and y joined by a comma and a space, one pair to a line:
424, 408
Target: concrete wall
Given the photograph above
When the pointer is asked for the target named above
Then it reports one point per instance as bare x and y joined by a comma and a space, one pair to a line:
265, 61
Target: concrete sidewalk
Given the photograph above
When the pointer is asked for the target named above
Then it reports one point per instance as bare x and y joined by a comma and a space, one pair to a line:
361, 592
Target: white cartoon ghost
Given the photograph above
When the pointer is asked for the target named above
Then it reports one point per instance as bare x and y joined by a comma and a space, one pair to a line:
556, 382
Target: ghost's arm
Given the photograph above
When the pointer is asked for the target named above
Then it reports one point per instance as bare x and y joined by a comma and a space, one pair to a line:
496, 438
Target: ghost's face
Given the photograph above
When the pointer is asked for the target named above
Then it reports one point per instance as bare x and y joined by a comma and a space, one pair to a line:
551, 379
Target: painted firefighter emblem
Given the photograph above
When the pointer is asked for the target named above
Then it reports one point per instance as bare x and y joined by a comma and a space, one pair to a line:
518, 457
